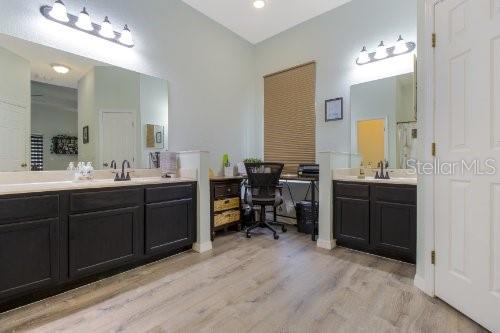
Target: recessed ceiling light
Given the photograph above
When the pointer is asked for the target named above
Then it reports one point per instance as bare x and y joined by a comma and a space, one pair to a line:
61, 69
259, 4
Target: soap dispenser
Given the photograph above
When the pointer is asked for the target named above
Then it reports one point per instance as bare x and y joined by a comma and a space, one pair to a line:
361, 171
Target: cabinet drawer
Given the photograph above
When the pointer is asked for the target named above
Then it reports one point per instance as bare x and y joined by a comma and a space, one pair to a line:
169, 193
29, 208
351, 190
226, 217
396, 194
225, 204
91, 201
226, 190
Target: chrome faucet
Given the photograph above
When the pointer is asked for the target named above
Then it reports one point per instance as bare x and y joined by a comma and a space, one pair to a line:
123, 177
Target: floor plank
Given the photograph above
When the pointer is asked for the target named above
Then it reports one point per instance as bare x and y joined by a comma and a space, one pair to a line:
249, 285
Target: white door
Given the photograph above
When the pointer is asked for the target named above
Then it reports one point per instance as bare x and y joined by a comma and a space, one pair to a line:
118, 137
13, 137
467, 116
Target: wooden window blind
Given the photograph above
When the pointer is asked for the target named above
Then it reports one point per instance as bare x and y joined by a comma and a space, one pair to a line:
290, 117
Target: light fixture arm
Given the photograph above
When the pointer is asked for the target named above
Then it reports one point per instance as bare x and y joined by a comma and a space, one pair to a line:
390, 54
44, 10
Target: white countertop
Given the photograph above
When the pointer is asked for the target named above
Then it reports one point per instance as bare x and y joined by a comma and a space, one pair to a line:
396, 180
21, 188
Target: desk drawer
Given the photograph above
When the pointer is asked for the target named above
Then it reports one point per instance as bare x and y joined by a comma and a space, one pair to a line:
225, 204
226, 190
29, 208
227, 217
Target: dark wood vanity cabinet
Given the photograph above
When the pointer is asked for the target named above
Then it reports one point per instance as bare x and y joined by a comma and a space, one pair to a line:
53, 240
29, 243
170, 218
377, 218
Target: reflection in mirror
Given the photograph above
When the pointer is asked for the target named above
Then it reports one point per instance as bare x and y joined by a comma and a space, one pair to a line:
383, 121
93, 112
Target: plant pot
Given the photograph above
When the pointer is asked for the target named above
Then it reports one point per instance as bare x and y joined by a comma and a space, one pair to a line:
229, 171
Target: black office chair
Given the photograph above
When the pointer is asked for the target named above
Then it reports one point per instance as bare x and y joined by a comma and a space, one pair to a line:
263, 189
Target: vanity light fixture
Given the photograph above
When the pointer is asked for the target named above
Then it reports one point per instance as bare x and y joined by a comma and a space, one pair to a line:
401, 46
84, 21
58, 13
382, 52
259, 4
61, 69
106, 30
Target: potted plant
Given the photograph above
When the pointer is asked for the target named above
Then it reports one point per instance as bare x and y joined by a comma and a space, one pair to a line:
228, 168
241, 165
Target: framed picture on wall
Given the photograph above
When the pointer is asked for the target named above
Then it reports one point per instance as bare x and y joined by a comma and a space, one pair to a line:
334, 109
85, 135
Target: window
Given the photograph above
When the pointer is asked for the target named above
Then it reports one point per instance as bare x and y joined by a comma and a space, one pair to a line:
36, 152
290, 117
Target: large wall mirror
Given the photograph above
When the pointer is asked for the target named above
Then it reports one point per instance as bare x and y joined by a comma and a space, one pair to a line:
384, 121
57, 108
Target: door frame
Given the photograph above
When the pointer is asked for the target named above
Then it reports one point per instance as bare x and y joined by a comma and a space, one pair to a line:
426, 124
101, 134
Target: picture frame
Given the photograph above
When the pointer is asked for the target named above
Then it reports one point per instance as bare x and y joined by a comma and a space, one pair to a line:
155, 136
334, 109
85, 135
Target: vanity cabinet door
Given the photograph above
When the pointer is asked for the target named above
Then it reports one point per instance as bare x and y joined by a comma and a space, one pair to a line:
99, 241
169, 225
352, 222
29, 255
394, 230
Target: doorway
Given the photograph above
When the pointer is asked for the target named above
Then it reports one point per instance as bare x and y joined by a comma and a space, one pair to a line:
371, 141
118, 137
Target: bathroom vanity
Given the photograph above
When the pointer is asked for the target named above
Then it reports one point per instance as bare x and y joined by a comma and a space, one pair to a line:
55, 236
376, 216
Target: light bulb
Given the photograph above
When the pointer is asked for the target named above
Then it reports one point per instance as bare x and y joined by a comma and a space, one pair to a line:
59, 12
401, 46
61, 69
259, 4
381, 51
126, 37
84, 21
363, 56
107, 29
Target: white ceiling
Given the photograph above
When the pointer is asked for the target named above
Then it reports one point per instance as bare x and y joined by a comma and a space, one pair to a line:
41, 57
256, 25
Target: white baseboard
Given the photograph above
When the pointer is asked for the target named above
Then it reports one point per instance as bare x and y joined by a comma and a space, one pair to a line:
203, 247
419, 282
326, 244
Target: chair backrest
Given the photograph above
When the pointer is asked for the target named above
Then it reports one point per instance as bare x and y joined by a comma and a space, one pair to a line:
264, 178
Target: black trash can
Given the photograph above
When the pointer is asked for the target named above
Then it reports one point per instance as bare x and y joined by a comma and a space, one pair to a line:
304, 215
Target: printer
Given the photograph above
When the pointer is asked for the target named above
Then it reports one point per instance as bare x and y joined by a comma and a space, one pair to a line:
308, 170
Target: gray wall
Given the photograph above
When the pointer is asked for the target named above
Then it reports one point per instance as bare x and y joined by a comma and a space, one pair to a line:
210, 69
334, 40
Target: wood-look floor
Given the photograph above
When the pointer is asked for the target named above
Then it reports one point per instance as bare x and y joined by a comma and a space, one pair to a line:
249, 285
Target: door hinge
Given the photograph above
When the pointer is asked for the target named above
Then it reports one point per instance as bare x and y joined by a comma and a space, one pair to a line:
434, 38
433, 257
433, 149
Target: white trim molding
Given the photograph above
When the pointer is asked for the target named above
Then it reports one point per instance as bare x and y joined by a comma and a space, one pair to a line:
202, 247
327, 244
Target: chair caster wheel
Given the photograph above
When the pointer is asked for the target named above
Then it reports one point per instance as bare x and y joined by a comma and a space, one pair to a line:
284, 229
276, 237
